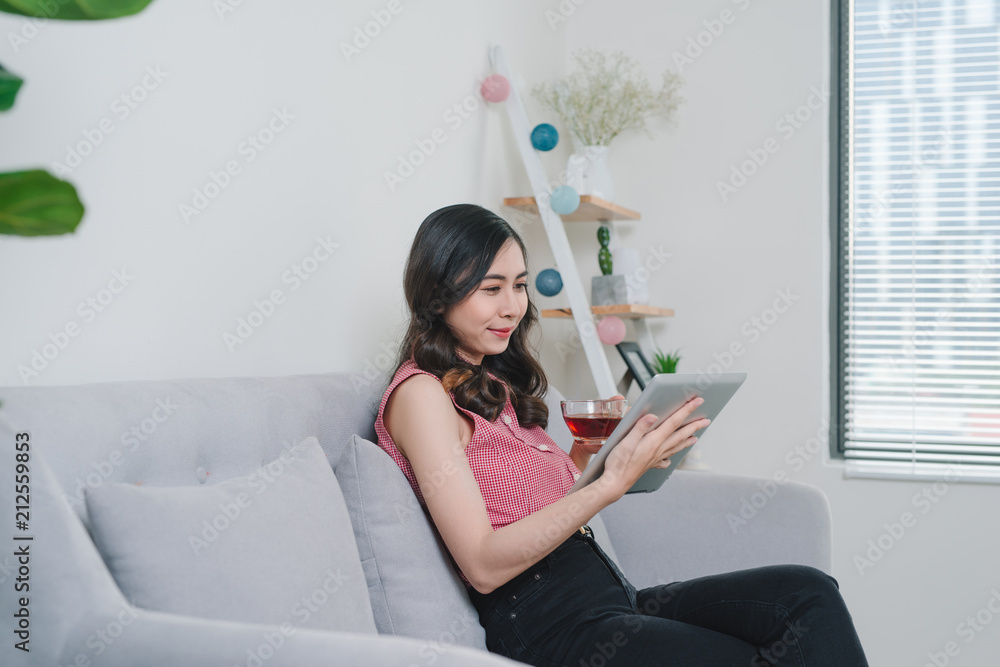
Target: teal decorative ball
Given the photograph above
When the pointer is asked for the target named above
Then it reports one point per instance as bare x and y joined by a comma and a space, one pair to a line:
544, 137
564, 200
549, 282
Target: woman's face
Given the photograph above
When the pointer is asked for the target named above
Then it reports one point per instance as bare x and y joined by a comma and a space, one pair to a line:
486, 319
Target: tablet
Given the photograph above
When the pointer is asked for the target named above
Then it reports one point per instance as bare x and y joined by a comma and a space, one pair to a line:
663, 396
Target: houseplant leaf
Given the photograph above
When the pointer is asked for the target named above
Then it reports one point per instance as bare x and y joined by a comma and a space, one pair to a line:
36, 203
74, 10
9, 85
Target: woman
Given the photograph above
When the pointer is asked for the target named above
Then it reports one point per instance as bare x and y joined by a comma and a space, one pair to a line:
464, 418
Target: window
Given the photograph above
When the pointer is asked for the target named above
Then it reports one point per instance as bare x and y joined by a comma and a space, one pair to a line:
915, 308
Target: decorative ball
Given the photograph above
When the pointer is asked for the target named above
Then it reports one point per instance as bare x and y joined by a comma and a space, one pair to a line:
549, 282
544, 137
495, 88
611, 330
564, 200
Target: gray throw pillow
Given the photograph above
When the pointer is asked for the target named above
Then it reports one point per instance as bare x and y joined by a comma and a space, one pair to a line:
273, 547
413, 587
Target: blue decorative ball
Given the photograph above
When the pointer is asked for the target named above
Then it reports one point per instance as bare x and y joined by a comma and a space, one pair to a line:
548, 282
544, 137
564, 200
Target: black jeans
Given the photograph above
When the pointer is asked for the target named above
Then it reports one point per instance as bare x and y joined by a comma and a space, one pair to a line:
575, 608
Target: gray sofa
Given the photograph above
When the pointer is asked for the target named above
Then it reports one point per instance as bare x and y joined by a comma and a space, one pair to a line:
111, 468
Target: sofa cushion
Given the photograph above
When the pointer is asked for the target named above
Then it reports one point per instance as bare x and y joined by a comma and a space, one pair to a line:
414, 589
272, 547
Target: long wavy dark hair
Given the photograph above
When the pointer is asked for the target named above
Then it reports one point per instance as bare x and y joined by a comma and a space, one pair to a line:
451, 253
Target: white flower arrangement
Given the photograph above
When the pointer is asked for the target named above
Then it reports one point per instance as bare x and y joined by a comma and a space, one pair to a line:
607, 95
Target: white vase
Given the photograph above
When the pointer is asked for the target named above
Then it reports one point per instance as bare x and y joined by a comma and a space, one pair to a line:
587, 172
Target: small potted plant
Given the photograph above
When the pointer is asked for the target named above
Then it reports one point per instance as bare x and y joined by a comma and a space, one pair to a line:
665, 363
607, 95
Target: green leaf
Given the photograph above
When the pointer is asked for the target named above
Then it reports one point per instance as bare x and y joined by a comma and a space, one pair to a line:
74, 10
36, 203
9, 85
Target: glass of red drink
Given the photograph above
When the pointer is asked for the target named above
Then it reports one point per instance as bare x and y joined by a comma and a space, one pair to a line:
591, 421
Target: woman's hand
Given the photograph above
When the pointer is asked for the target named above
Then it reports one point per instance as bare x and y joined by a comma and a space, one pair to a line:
646, 447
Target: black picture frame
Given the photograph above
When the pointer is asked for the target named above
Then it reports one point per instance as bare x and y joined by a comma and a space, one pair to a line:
637, 362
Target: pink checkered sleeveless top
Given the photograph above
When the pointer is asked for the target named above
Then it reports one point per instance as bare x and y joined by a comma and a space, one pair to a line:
519, 470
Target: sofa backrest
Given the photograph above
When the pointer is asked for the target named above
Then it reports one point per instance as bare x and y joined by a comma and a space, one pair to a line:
188, 431
196, 431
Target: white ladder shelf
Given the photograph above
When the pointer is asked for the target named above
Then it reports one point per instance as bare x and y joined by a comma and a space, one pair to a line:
580, 310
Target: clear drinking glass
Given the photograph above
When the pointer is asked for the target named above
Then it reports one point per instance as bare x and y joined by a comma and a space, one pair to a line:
591, 421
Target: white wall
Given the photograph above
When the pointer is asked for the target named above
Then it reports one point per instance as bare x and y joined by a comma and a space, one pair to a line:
323, 175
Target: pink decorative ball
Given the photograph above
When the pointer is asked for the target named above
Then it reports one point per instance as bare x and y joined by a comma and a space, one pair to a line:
495, 88
611, 330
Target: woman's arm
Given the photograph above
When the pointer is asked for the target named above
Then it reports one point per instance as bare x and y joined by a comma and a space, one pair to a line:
424, 426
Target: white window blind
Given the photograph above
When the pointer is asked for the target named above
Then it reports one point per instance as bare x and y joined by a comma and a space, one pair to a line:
920, 245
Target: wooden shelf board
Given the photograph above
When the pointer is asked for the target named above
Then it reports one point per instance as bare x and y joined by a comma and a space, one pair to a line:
591, 208
627, 311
